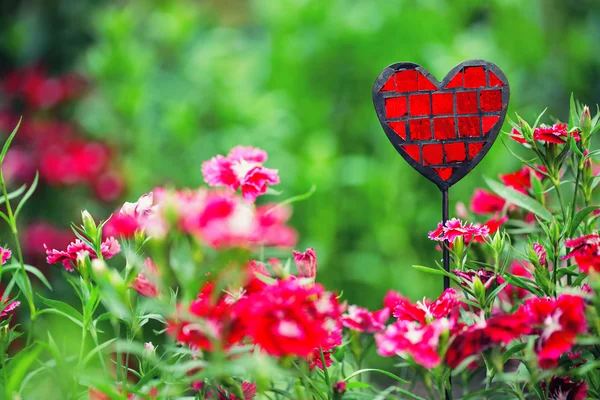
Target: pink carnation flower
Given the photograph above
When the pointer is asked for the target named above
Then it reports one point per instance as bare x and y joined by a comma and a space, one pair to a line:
455, 228
145, 281
109, 248
242, 168
5, 254
361, 320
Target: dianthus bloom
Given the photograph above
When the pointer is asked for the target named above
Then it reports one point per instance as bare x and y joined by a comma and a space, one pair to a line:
455, 228
586, 251
211, 317
7, 307
489, 279
540, 252
410, 338
471, 340
564, 388
306, 263
484, 202
426, 311
288, 318
521, 180
557, 322
556, 134
132, 217
145, 281
361, 320
242, 168
5, 254
109, 248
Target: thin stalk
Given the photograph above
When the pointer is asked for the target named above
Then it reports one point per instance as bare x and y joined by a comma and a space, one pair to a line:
15, 232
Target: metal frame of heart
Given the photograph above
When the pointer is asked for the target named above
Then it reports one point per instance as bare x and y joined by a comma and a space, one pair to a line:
461, 168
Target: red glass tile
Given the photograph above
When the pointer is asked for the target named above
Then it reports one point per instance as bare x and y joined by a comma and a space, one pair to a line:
474, 149
474, 77
466, 102
412, 150
420, 129
455, 82
433, 154
489, 122
420, 104
395, 107
399, 128
424, 83
455, 152
443, 128
406, 81
389, 86
490, 100
468, 126
443, 103
494, 80
444, 173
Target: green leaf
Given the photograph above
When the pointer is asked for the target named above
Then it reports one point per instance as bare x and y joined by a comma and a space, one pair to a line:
361, 371
579, 217
32, 270
13, 194
63, 308
519, 199
17, 372
429, 270
357, 385
27, 195
97, 349
515, 349
8, 141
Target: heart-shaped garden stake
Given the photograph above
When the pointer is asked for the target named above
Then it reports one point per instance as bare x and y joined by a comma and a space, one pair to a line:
443, 129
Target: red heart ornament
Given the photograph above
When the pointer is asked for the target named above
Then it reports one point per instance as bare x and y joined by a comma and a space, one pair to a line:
443, 129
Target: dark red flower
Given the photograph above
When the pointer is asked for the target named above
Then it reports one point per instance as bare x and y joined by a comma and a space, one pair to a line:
471, 340
563, 388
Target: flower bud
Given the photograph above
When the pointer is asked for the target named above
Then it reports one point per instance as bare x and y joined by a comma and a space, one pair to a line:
479, 290
80, 261
99, 267
585, 121
339, 387
149, 347
88, 224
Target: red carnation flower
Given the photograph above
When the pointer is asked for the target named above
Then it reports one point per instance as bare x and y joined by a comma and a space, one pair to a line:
521, 180
557, 133
484, 202
557, 322
306, 263
586, 251
455, 228
426, 311
109, 248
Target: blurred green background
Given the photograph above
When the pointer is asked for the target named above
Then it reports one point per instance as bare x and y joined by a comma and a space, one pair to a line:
172, 83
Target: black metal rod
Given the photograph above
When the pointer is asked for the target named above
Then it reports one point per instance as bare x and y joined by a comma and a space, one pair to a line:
446, 262
446, 251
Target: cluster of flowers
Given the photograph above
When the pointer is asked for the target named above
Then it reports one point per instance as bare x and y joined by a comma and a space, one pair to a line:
529, 310
52, 146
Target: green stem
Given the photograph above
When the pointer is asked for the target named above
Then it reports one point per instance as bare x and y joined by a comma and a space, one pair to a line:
15, 232
560, 199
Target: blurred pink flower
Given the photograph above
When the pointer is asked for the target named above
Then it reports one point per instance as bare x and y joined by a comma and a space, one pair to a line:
5, 254
361, 320
145, 281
